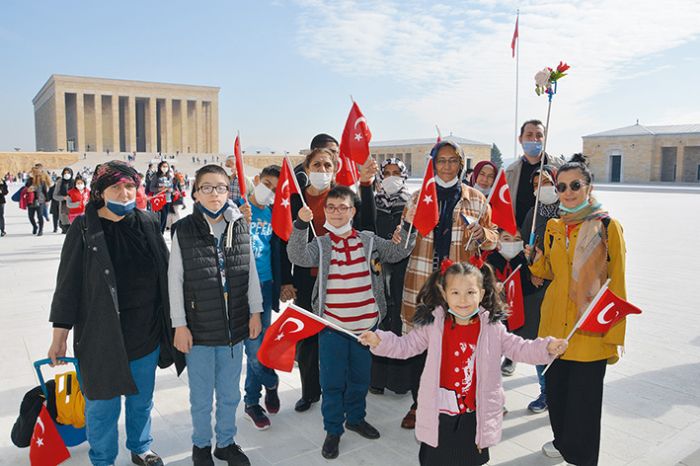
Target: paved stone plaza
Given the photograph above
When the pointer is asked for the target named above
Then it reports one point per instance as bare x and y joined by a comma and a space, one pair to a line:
652, 396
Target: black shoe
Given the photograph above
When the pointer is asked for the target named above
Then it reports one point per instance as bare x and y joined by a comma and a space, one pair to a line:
233, 455
364, 429
2, 233
272, 400
202, 456
40, 233
330, 446
376, 391
150, 459
34, 229
303, 405
507, 368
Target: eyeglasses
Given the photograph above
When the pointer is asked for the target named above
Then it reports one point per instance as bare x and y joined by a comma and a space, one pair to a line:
208, 189
574, 186
337, 208
447, 162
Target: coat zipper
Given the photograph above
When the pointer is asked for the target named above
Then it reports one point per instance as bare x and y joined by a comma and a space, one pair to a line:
221, 285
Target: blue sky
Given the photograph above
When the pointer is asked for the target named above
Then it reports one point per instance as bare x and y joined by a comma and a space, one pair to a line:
287, 68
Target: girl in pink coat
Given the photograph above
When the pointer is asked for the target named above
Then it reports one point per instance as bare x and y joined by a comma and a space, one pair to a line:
460, 398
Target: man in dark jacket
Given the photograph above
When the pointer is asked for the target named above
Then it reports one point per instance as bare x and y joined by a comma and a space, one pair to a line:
112, 289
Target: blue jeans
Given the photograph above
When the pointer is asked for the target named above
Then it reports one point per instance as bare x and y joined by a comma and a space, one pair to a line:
345, 373
257, 375
209, 369
540, 377
101, 416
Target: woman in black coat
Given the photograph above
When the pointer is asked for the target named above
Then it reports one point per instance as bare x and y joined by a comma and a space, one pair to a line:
112, 290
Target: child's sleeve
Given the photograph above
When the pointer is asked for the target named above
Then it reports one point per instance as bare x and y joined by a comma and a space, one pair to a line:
518, 349
407, 346
391, 252
255, 300
175, 285
300, 250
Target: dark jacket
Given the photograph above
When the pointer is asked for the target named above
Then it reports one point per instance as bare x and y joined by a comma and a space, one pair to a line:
86, 298
3, 191
208, 318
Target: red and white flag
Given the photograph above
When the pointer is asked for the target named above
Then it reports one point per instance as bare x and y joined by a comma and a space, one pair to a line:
239, 165
514, 297
282, 208
502, 211
354, 144
606, 311
158, 202
279, 343
47, 447
347, 174
427, 216
514, 41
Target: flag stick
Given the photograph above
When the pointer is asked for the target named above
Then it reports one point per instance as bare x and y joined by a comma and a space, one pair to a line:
439, 133
240, 175
517, 72
539, 187
301, 193
313, 316
420, 194
585, 314
512, 273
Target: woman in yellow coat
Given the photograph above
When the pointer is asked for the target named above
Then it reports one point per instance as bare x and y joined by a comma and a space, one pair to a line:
582, 249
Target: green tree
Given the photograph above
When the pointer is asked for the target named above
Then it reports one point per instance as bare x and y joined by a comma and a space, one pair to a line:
496, 156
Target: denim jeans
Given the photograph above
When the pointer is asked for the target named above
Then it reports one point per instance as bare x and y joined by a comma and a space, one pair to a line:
540, 377
257, 375
101, 416
345, 373
214, 369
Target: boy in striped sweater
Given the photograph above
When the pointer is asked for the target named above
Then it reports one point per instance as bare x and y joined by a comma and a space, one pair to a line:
349, 292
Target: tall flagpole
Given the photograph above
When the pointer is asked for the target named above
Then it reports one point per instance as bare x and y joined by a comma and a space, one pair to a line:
517, 73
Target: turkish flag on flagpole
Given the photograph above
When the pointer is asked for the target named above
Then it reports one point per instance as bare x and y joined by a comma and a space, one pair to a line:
158, 201
427, 215
239, 165
47, 447
354, 144
515, 36
607, 310
514, 297
282, 207
293, 325
501, 204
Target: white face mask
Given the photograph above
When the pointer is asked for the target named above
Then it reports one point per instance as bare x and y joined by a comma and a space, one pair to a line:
67, 176
80, 186
446, 184
548, 195
484, 191
510, 249
338, 230
264, 195
320, 180
392, 184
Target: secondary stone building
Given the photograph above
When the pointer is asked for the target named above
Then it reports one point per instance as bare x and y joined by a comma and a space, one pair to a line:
73, 113
642, 154
413, 152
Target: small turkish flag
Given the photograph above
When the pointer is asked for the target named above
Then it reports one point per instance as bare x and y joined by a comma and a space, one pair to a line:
158, 202
47, 447
501, 204
282, 208
239, 165
279, 343
514, 297
427, 215
354, 144
606, 312
347, 171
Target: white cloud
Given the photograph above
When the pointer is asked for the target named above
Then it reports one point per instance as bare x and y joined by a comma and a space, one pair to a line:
455, 58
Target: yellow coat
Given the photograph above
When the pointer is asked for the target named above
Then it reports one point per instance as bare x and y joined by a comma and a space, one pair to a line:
558, 312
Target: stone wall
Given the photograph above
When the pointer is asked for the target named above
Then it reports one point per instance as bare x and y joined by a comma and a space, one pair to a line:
14, 162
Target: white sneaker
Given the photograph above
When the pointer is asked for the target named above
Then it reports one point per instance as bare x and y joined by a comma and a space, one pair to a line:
550, 450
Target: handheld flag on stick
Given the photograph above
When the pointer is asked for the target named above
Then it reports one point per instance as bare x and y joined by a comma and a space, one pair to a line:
501, 204
514, 297
426, 216
239, 165
282, 207
354, 143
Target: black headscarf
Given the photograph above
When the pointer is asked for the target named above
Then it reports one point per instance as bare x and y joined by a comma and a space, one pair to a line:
109, 173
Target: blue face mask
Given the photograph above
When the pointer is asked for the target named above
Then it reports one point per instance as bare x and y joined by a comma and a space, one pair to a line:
121, 209
476, 311
209, 213
573, 210
532, 148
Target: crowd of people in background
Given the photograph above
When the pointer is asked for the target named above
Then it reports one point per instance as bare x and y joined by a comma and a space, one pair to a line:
427, 311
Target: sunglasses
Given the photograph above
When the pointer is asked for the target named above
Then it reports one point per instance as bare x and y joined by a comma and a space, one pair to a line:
574, 186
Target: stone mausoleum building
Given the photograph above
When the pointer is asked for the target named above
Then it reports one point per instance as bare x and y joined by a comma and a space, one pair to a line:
413, 152
642, 154
74, 113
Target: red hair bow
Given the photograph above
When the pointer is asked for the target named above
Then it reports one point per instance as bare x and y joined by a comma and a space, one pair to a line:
446, 264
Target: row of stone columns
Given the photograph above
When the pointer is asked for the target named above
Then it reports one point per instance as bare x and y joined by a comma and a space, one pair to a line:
196, 136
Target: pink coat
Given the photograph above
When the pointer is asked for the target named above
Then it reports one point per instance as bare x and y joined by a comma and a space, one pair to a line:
494, 341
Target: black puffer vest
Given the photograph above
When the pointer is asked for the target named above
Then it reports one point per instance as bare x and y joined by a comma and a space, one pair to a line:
208, 318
